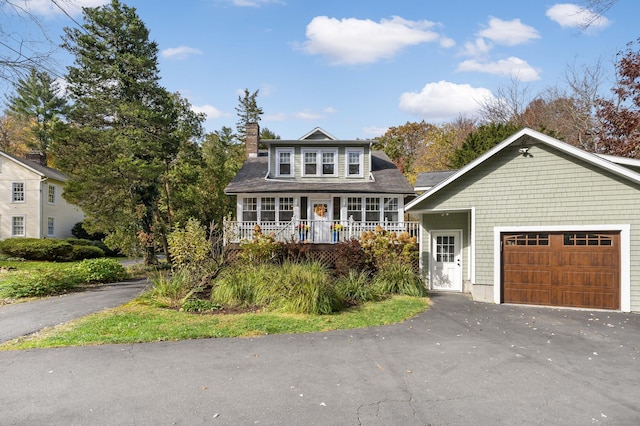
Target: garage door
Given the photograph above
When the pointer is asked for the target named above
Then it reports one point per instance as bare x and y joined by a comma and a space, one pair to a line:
577, 269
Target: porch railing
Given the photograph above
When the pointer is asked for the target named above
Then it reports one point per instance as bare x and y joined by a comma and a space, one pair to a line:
310, 231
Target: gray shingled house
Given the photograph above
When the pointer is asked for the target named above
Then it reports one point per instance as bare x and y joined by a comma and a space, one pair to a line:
316, 189
535, 221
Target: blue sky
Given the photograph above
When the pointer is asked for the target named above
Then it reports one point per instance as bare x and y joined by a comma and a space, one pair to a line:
357, 67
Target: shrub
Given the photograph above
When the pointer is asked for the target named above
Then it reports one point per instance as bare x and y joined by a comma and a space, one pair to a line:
349, 257
382, 247
189, 246
261, 248
356, 287
36, 249
101, 270
399, 278
41, 283
79, 232
86, 252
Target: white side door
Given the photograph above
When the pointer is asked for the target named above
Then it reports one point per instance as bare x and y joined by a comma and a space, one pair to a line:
446, 261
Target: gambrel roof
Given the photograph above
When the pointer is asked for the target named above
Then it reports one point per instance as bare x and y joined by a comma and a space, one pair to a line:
386, 179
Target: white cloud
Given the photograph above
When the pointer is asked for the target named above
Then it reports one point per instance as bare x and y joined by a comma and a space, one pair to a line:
330, 110
255, 3
509, 33
573, 16
278, 116
209, 110
375, 131
444, 100
447, 42
48, 9
356, 41
478, 48
180, 52
512, 67
307, 115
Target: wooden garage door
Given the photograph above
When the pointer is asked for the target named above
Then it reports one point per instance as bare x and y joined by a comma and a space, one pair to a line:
577, 269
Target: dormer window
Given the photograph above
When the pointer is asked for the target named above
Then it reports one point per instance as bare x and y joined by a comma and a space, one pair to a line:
355, 162
319, 162
285, 162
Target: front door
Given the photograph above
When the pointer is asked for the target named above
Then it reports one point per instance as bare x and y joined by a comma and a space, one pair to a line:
321, 222
446, 261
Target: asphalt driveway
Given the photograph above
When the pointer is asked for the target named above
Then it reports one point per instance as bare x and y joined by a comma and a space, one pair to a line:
460, 363
21, 319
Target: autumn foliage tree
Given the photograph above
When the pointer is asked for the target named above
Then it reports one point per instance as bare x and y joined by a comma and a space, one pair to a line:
619, 133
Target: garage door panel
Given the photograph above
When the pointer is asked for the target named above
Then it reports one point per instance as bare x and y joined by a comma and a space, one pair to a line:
578, 269
590, 279
591, 259
520, 258
589, 300
529, 296
520, 277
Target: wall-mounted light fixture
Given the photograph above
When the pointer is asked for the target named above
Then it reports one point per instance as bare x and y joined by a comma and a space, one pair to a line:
524, 150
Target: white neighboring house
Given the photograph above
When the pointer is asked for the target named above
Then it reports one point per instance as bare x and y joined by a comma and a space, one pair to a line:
31, 203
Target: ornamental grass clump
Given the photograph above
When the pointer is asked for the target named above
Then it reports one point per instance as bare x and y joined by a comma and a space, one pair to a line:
236, 286
399, 278
357, 287
170, 290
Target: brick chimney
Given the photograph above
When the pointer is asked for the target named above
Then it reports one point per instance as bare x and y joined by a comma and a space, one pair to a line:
37, 157
252, 139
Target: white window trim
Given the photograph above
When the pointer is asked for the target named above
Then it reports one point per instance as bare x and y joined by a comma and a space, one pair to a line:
24, 192
53, 219
319, 152
24, 226
292, 164
360, 151
54, 194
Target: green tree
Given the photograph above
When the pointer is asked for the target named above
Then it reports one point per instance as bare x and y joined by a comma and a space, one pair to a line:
248, 112
37, 104
480, 141
125, 130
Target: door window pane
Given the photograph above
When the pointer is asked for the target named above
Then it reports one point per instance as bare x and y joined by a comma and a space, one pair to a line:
445, 248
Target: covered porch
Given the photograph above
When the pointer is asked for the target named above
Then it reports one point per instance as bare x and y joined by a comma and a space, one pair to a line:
313, 231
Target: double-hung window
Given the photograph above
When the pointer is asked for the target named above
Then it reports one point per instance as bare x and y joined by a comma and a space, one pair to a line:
285, 209
391, 209
328, 163
268, 209
320, 162
355, 162
285, 162
249, 209
51, 227
51, 194
17, 192
17, 226
372, 209
354, 208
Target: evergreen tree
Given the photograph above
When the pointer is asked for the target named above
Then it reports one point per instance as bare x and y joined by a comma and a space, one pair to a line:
125, 129
36, 103
248, 112
480, 141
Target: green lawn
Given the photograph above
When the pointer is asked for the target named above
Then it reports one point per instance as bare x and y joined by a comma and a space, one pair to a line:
136, 322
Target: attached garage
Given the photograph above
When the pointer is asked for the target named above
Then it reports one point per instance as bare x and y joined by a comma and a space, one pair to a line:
539, 222
571, 269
